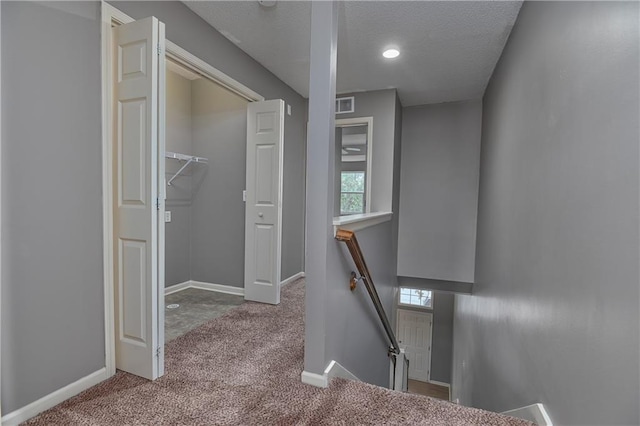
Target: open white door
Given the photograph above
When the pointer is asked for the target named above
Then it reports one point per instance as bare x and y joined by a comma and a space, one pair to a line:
139, 201
263, 214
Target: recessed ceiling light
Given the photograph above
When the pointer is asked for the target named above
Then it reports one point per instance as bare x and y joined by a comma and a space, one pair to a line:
391, 53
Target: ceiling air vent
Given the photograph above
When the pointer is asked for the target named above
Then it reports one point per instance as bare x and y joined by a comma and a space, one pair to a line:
345, 105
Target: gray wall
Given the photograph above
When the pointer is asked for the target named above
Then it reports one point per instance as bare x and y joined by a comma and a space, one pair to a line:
190, 32
442, 339
439, 191
354, 336
554, 317
52, 276
179, 193
381, 105
217, 236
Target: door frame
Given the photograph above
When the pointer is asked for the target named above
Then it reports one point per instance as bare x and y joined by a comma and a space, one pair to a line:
423, 312
111, 16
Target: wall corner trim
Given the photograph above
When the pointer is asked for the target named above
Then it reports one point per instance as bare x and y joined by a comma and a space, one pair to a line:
54, 398
535, 413
333, 370
291, 279
313, 379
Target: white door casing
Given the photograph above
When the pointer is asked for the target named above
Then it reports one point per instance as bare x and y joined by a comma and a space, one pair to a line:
414, 334
263, 209
138, 140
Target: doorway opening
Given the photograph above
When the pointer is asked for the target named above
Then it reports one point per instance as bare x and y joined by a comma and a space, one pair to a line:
138, 169
205, 140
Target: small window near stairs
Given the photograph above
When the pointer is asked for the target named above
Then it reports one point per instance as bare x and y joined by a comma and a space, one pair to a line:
415, 297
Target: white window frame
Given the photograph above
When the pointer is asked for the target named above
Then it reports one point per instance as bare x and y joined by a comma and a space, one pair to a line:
363, 121
400, 304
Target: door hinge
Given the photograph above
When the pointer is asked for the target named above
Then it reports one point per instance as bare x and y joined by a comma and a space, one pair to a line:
158, 349
159, 49
157, 203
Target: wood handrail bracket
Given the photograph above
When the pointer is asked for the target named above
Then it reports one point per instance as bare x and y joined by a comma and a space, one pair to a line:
349, 238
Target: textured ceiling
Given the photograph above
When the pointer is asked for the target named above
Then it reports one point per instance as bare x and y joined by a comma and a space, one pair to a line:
448, 49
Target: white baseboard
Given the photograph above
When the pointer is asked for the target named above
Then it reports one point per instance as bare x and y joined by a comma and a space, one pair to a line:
317, 380
220, 288
25, 413
177, 287
334, 369
291, 279
534, 413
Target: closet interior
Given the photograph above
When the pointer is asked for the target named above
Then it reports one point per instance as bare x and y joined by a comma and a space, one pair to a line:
205, 162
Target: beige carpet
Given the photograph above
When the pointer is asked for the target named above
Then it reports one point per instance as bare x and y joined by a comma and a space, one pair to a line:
243, 368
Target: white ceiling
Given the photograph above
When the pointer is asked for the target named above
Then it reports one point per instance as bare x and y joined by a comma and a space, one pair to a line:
448, 48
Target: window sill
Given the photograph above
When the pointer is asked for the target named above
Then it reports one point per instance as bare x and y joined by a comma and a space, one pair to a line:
357, 222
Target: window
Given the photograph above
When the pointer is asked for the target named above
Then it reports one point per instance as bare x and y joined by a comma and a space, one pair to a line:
352, 192
415, 297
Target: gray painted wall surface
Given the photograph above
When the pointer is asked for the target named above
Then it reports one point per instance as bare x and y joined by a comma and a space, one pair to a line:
190, 32
439, 191
554, 315
52, 276
219, 133
381, 105
354, 335
442, 339
179, 193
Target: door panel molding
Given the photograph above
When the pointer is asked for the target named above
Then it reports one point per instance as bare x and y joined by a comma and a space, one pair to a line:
263, 209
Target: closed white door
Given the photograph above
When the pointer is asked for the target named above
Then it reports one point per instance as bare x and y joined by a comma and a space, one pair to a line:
139, 91
414, 334
263, 211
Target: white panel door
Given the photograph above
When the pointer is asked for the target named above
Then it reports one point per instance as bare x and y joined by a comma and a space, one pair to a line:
414, 334
263, 214
138, 90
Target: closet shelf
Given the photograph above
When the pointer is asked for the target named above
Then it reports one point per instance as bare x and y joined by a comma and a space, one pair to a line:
183, 157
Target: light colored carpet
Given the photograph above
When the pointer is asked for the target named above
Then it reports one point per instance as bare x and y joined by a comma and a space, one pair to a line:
243, 368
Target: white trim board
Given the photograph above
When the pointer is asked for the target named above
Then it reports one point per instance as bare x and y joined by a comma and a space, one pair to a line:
534, 413
220, 288
291, 279
333, 370
356, 222
54, 398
